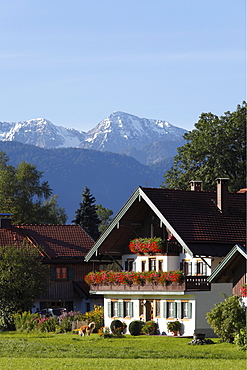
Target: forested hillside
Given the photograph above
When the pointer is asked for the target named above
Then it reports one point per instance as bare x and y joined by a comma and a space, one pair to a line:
111, 177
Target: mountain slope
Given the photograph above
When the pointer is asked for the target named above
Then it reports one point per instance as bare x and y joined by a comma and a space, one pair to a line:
147, 140
42, 133
110, 177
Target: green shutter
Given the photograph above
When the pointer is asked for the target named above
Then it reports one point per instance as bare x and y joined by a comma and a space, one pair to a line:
109, 309
189, 310
131, 309
175, 310
71, 273
120, 309
179, 310
165, 309
53, 273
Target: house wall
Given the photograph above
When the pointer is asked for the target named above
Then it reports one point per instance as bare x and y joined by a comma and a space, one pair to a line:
188, 324
61, 292
205, 301
170, 262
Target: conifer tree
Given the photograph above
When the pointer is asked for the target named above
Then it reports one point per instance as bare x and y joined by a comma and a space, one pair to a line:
86, 215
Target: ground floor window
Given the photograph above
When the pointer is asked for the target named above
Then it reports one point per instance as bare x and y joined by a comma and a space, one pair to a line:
177, 309
120, 308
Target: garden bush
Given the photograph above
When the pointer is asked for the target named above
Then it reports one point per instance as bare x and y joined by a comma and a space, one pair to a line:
96, 316
116, 327
149, 328
241, 339
135, 327
227, 318
26, 321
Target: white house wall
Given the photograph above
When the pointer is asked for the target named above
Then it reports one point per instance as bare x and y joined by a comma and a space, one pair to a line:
205, 301
188, 325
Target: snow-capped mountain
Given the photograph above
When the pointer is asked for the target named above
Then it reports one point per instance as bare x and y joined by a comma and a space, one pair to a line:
121, 131
147, 140
41, 132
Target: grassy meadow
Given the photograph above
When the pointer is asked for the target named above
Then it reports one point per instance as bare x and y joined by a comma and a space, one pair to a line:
24, 351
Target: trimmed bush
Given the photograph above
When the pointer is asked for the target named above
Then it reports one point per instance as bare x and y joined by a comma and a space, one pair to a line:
116, 327
135, 327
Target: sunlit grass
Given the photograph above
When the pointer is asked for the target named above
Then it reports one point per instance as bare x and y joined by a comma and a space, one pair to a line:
52, 351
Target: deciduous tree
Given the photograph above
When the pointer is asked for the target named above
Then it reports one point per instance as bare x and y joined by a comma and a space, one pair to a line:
23, 278
215, 148
23, 194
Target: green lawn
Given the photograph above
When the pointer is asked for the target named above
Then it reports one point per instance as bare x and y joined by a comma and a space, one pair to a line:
69, 351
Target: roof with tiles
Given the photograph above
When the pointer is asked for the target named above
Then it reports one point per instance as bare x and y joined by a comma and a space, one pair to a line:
197, 222
54, 241
197, 219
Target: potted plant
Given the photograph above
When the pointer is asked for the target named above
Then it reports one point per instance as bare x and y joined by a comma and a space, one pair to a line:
174, 327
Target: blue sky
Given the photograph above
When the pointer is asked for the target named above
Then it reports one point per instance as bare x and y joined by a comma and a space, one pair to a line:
75, 62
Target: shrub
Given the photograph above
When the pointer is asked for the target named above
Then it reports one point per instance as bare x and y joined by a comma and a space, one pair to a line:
227, 318
46, 325
96, 315
135, 327
116, 327
241, 339
26, 321
149, 327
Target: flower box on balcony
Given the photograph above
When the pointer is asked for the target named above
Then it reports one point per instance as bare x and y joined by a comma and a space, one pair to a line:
134, 278
146, 245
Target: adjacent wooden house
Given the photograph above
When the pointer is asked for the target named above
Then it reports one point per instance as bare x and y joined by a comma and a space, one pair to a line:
63, 248
197, 229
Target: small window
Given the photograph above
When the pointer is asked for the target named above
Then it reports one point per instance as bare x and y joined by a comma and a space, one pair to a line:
160, 265
187, 268
171, 310
61, 273
186, 310
129, 265
143, 266
152, 264
127, 309
114, 309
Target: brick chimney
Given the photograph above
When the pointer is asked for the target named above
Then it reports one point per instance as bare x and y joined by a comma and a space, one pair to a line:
5, 220
195, 185
222, 194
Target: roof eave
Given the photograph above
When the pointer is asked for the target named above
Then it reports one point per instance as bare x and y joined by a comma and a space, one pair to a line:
228, 257
141, 194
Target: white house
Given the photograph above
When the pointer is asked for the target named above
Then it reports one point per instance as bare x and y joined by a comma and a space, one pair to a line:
197, 229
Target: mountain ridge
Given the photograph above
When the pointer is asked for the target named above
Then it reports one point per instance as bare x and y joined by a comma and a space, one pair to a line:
121, 133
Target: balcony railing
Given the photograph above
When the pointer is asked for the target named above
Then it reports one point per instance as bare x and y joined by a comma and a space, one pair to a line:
197, 283
190, 283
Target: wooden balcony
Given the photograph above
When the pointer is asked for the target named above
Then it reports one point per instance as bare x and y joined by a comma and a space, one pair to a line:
190, 283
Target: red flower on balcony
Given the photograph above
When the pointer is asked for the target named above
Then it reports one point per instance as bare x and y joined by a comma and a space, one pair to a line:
243, 290
131, 277
146, 245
